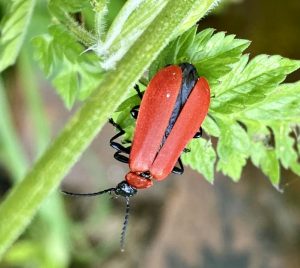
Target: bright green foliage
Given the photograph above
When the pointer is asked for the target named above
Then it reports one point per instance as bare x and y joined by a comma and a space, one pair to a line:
60, 7
262, 152
250, 94
75, 74
211, 127
248, 105
277, 115
250, 83
202, 158
233, 148
282, 104
212, 54
13, 30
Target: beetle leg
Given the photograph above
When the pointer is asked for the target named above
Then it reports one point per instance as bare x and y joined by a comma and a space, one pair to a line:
178, 170
138, 91
122, 158
198, 133
196, 136
118, 146
135, 111
118, 127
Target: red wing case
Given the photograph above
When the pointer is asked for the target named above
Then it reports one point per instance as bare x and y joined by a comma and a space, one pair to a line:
153, 117
187, 124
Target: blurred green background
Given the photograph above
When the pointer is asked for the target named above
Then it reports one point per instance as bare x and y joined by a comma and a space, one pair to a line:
181, 222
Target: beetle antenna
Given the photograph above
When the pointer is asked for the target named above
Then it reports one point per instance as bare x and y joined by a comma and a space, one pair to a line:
109, 190
123, 233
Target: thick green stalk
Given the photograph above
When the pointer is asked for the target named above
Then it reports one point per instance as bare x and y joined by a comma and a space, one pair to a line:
19, 207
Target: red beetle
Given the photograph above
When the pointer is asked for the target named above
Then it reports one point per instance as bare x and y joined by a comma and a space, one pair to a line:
171, 112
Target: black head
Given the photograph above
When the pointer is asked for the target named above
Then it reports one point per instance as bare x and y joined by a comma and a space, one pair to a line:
125, 189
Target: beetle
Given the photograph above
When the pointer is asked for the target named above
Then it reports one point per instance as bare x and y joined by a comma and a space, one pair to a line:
172, 109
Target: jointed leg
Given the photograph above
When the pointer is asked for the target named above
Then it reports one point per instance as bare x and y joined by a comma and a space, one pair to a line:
198, 133
135, 111
178, 170
196, 136
138, 91
118, 146
122, 158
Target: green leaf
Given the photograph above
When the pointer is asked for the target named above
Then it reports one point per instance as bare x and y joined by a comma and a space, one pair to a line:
67, 86
211, 127
280, 111
202, 158
175, 52
262, 153
13, 31
285, 151
250, 83
281, 104
23, 252
212, 54
267, 161
63, 10
129, 103
59, 7
75, 75
233, 148
44, 53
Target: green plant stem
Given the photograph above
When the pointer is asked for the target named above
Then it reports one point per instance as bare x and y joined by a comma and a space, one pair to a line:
79, 31
100, 9
19, 207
